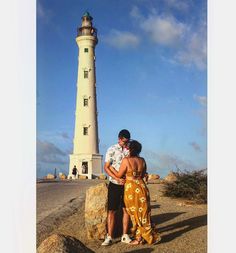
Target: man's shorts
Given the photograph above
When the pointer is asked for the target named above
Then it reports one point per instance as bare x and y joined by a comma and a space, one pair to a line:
115, 196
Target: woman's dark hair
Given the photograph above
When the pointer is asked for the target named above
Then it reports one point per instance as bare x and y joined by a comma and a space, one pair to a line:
134, 148
124, 134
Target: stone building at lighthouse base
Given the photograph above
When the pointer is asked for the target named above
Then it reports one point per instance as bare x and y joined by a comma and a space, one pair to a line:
87, 165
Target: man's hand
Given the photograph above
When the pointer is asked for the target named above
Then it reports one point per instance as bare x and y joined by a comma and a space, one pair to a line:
121, 181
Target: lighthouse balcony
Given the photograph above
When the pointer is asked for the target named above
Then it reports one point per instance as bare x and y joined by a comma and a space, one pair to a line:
87, 30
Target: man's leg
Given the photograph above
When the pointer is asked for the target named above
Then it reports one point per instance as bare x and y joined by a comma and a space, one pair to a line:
125, 221
111, 222
112, 207
125, 237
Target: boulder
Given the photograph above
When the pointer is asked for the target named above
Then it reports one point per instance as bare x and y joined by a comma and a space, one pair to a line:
82, 177
62, 176
102, 177
50, 176
96, 211
153, 177
58, 243
170, 178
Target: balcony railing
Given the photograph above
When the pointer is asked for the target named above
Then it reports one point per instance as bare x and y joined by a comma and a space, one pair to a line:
87, 30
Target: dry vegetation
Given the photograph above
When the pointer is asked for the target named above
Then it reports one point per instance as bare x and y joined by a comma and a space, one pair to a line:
191, 185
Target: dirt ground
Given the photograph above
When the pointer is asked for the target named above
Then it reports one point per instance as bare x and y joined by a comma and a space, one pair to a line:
183, 227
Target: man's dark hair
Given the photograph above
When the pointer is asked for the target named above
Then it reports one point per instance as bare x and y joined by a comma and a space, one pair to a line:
124, 134
134, 148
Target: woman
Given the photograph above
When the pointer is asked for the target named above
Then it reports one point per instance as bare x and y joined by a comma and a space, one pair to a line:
136, 195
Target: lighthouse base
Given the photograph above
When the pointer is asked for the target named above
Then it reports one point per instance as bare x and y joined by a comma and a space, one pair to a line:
89, 165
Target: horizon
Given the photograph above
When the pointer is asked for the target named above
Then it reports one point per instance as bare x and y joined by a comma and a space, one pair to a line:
151, 71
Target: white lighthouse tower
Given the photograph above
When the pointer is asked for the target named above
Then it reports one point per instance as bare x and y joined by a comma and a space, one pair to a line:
86, 158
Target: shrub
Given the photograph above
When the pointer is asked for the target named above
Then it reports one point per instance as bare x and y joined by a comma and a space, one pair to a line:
191, 185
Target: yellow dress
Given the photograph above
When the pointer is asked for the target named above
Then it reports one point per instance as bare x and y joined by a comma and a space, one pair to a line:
137, 203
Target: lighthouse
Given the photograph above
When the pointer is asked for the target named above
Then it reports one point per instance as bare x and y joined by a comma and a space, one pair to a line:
85, 159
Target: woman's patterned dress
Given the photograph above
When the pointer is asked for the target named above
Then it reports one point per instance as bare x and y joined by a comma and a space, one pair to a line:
137, 203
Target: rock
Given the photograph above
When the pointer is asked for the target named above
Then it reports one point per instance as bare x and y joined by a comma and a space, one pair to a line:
170, 178
82, 177
102, 177
96, 211
50, 176
153, 177
185, 203
57, 243
62, 176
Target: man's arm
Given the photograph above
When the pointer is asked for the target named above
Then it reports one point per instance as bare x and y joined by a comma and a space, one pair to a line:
108, 171
108, 162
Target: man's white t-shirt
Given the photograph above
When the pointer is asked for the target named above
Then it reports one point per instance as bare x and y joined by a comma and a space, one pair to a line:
114, 156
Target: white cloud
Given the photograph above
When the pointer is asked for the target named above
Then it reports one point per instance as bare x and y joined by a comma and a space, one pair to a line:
181, 5
202, 100
195, 146
40, 10
202, 112
163, 161
43, 14
121, 39
65, 135
60, 138
47, 152
195, 51
135, 13
164, 30
187, 40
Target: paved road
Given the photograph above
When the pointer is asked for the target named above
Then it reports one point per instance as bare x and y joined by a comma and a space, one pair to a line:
53, 195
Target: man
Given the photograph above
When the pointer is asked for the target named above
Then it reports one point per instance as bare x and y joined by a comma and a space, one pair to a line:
114, 157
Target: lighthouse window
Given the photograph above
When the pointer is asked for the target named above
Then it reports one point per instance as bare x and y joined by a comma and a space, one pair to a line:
85, 74
86, 50
85, 102
85, 130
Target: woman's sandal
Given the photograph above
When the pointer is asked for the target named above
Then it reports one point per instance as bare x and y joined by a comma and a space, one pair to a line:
136, 242
158, 239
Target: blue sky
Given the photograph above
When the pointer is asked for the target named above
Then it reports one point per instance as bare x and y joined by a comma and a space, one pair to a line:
151, 76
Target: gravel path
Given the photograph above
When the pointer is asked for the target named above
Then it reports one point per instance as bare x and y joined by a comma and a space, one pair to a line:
183, 227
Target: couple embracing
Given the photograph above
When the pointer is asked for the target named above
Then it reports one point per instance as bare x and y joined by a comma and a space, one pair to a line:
127, 189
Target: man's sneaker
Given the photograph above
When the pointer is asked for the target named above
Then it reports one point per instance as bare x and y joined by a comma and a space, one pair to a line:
125, 238
107, 241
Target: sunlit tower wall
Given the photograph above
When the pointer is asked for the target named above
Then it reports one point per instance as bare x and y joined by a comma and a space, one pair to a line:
86, 155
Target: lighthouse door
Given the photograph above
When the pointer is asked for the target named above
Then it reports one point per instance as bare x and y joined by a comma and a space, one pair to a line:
84, 167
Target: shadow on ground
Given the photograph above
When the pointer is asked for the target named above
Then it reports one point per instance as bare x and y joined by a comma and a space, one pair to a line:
147, 250
161, 218
155, 206
184, 226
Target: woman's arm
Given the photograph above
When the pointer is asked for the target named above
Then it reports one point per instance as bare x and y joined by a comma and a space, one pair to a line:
144, 172
122, 170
